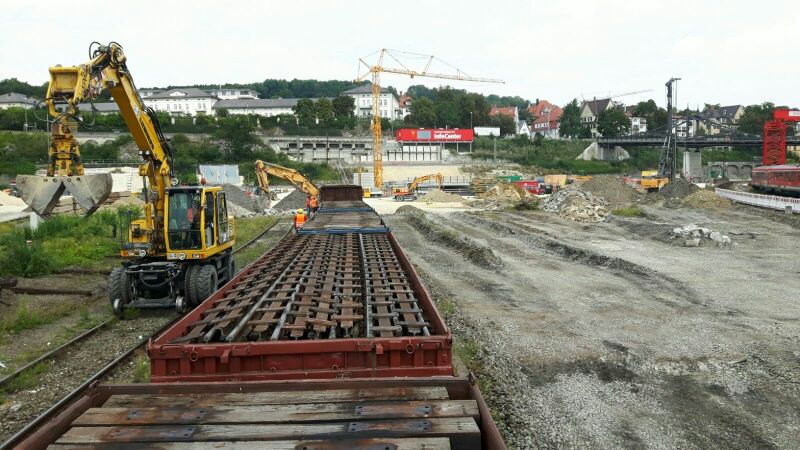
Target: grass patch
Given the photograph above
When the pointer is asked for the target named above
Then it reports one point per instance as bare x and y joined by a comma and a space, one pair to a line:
86, 321
526, 204
131, 313
249, 227
62, 241
25, 317
141, 368
27, 379
446, 306
629, 211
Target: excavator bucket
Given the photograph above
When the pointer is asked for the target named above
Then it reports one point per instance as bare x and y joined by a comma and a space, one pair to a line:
42, 193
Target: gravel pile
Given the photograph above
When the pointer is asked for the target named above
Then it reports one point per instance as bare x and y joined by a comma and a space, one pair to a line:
577, 205
692, 235
239, 211
706, 199
612, 189
678, 189
235, 195
439, 196
293, 201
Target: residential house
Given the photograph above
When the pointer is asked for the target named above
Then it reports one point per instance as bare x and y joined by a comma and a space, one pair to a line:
234, 93
508, 111
99, 108
266, 107
523, 128
147, 92
389, 102
591, 109
719, 118
685, 128
182, 101
638, 124
14, 100
546, 119
405, 105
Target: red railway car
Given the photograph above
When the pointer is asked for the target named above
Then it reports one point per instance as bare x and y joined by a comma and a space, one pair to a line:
779, 179
328, 341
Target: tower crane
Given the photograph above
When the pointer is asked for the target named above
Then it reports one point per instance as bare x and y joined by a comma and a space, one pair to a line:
374, 70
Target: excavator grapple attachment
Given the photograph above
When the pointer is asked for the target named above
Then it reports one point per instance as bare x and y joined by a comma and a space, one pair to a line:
42, 193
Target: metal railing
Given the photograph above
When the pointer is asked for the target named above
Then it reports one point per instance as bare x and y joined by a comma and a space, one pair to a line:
762, 200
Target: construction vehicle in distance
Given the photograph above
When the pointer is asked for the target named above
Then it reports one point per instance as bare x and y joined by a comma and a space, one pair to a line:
410, 192
180, 251
652, 182
263, 169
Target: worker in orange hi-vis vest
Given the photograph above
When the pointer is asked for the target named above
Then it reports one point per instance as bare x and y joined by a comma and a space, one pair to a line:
313, 204
299, 218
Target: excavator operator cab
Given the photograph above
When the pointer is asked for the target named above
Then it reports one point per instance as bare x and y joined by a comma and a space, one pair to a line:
197, 222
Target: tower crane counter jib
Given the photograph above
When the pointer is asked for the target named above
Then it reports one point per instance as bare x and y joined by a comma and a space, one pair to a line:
180, 251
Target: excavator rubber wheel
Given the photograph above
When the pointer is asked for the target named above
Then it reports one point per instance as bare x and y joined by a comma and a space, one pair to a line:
118, 290
205, 282
189, 285
231, 268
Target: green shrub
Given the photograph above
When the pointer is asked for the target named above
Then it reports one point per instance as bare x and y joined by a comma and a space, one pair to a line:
20, 258
629, 211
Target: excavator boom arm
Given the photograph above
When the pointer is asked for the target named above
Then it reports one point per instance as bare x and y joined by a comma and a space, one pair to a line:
291, 175
70, 86
419, 180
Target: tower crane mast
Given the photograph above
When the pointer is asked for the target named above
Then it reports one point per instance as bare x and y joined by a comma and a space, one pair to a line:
374, 71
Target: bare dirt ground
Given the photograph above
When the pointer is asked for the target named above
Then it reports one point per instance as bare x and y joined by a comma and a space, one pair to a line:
608, 335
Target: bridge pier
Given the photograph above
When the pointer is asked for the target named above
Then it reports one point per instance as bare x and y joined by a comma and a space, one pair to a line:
597, 152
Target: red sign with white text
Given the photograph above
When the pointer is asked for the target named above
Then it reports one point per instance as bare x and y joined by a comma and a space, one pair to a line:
434, 135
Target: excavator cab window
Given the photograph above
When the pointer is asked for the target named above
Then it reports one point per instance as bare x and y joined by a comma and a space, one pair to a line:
209, 220
184, 219
222, 219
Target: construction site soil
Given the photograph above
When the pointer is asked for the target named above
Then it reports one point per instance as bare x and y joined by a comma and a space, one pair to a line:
613, 189
604, 335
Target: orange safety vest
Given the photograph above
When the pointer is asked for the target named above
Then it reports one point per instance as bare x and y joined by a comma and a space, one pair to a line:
299, 220
313, 202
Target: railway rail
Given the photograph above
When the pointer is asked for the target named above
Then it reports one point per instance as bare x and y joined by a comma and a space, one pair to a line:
88, 333
56, 352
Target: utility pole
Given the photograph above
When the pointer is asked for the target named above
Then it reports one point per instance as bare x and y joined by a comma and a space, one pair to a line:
495, 149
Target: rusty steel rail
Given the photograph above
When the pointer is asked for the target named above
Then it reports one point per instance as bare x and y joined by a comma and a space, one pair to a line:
54, 351
320, 286
41, 419
79, 391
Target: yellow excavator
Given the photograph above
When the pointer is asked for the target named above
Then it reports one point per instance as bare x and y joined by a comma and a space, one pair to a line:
652, 182
410, 193
180, 252
263, 169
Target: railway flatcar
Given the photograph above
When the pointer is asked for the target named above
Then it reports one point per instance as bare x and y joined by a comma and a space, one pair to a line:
327, 341
780, 179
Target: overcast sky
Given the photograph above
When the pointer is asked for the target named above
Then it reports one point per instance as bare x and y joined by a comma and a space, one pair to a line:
727, 52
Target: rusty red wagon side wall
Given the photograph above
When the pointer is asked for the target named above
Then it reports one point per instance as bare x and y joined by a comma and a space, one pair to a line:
407, 356
343, 192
